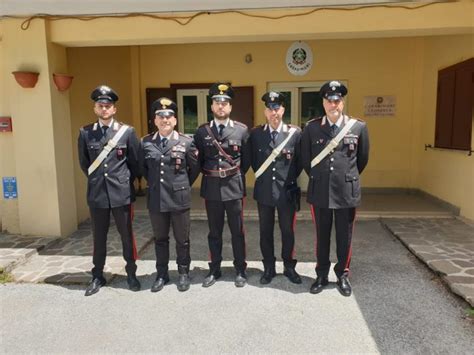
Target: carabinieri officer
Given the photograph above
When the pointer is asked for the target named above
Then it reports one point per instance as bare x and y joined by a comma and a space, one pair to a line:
170, 166
108, 155
224, 159
276, 162
335, 151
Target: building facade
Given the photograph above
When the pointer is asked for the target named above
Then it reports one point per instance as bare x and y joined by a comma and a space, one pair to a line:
379, 51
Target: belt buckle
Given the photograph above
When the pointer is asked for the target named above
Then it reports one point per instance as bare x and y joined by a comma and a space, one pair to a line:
222, 173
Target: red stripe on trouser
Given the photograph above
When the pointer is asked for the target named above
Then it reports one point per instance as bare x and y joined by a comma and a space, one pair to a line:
134, 244
349, 253
293, 225
242, 227
313, 215
209, 255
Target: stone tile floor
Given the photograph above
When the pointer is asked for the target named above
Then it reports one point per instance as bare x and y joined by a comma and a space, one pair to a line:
445, 245
68, 260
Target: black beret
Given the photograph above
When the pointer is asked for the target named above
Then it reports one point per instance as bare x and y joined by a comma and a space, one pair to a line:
104, 94
333, 90
273, 99
221, 92
163, 104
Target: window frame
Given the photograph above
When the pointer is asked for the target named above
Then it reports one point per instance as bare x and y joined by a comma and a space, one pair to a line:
296, 88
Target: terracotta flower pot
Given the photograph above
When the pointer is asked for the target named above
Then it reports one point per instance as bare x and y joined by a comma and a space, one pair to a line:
62, 81
26, 79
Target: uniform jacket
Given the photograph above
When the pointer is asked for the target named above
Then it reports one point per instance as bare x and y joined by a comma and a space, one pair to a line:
234, 142
170, 171
111, 184
272, 186
334, 182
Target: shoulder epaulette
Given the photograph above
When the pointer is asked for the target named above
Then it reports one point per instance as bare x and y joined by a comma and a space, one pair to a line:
184, 136
240, 124
294, 126
357, 118
88, 126
257, 127
150, 135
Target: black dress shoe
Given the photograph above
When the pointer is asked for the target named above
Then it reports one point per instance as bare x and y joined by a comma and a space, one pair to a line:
159, 283
183, 282
319, 284
240, 279
344, 286
211, 278
268, 275
133, 283
94, 286
292, 275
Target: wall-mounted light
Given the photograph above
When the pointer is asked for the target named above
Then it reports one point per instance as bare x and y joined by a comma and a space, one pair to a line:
248, 58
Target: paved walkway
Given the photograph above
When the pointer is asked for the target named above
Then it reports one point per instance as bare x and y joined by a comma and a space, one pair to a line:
398, 307
446, 245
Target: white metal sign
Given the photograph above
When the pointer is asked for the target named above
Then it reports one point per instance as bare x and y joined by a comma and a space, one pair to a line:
299, 58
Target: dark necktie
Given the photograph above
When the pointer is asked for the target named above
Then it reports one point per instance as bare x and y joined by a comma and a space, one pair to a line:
221, 129
164, 141
104, 130
334, 129
274, 135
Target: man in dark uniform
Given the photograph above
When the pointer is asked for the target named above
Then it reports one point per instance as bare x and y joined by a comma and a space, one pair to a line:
108, 155
275, 157
224, 160
170, 166
334, 186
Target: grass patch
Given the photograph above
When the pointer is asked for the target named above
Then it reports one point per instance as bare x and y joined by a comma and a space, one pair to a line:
470, 313
5, 277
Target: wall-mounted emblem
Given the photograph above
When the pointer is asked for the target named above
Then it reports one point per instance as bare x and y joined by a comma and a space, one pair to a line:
299, 58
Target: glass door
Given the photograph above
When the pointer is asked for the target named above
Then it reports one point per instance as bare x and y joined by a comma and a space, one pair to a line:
193, 109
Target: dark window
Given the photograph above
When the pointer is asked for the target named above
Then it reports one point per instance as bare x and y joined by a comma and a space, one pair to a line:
454, 106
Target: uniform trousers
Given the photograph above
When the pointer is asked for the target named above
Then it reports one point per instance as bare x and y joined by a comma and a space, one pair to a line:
216, 211
344, 223
286, 220
100, 219
160, 222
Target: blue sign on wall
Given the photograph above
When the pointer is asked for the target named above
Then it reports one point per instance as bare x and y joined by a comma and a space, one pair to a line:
9, 188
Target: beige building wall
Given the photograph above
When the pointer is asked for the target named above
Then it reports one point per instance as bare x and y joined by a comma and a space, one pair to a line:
40, 149
446, 174
370, 67
9, 220
403, 67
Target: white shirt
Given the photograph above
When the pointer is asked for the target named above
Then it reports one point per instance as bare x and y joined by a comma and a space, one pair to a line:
338, 122
102, 124
217, 122
278, 128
